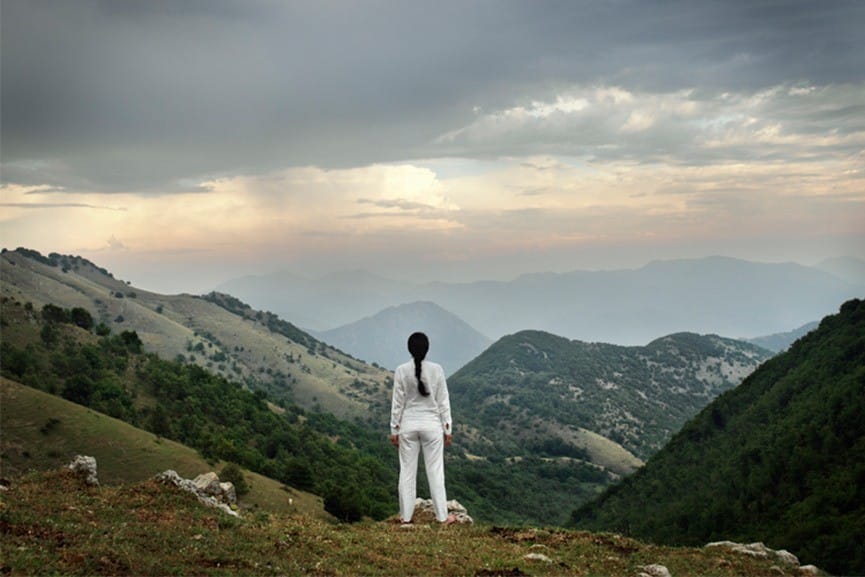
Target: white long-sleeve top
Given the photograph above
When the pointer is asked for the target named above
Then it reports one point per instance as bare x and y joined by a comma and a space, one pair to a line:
411, 411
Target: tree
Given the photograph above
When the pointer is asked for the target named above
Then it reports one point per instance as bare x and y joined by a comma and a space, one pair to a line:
81, 318
232, 474
54, 314
79, 389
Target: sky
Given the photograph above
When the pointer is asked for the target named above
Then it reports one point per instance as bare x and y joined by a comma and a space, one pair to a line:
183, 143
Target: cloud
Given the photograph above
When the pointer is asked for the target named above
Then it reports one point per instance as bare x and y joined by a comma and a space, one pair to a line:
781, 123
148, 97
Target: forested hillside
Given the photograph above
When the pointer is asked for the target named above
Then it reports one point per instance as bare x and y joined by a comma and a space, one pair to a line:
216, 332
779, 459
533, 388
54, 350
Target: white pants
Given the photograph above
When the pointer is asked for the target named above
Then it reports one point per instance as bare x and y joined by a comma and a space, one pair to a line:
410, 444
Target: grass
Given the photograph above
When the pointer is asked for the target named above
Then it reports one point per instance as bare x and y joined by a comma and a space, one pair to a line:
39, 431
183, 319
51, 523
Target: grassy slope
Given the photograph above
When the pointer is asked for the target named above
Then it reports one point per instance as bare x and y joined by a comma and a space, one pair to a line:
124, 454
52, 523
168, 324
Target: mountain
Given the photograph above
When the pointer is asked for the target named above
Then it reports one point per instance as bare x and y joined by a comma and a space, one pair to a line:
781, 341
847, 268
381, 338
217, 332
779, 459
320, 303
533, 385
715, 295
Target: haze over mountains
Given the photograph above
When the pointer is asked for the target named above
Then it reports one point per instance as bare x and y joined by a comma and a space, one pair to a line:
716, 295
381, 338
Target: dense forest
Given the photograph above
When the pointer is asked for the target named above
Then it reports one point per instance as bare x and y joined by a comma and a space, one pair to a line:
348, 466
780, 459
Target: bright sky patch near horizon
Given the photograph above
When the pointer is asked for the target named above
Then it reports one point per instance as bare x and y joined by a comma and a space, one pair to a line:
181, 144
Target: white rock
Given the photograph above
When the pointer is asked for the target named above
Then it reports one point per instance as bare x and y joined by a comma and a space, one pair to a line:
655, 570
453, 505
786, 557
229, 493
809, 570
537, 557
171, 477
86, 467
756, 550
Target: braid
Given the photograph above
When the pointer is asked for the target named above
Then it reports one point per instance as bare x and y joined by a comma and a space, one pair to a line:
420, 384
418, 345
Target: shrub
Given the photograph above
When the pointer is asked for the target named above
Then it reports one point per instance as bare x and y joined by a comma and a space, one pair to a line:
232, 473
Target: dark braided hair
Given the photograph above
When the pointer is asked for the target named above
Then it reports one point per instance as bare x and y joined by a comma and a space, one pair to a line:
418, 345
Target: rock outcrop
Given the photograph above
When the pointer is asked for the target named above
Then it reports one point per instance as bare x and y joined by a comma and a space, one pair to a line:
760, 551
425, 506
85, 467
206, 488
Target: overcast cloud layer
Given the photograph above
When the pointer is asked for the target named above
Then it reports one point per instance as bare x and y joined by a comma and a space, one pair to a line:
374, 130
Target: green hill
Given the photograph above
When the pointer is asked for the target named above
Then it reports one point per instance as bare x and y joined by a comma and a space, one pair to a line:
614, 405
39, 432
545, 423
216, 332
780, 459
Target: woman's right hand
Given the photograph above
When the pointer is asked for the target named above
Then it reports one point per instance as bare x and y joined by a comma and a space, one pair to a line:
448, 439
394, 440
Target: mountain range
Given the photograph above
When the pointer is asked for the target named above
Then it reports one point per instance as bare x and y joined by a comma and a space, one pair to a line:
620, 403
779, 459
382, 337
715, 295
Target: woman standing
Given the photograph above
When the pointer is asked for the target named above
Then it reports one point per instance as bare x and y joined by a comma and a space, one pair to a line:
420, 418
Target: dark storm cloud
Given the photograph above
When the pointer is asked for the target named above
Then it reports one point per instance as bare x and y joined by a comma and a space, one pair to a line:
153, 96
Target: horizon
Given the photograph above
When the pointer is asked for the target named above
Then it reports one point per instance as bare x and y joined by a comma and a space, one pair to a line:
184, 145
168, 286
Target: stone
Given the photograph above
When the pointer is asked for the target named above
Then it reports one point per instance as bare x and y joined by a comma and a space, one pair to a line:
85, 467
170, 477
537, 557
809, 570
760, 551
786, 557
229, 493
208, 483
654, 570
756, 550
454, 507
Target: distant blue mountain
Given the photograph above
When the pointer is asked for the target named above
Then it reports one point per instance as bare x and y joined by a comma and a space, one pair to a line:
716, 295
381, 338
780, 342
